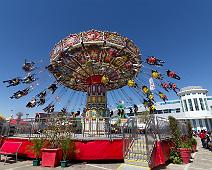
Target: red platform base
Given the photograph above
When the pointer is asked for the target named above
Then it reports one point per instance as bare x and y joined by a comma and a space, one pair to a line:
90, 150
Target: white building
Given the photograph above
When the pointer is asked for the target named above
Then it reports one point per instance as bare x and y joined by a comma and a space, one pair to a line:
193, 105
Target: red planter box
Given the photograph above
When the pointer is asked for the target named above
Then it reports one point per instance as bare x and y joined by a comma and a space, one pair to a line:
51, 157
185, 154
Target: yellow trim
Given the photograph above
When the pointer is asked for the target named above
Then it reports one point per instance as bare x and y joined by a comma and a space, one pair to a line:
137, 161
119, 168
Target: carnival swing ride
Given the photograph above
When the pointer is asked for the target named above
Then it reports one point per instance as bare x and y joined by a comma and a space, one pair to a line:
95, 66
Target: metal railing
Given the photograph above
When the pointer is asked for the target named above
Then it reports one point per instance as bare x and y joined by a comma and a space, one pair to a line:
163, 129
80, 128
151, 136
156, 128
129, 134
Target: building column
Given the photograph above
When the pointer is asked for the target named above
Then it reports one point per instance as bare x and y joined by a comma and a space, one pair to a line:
210, 124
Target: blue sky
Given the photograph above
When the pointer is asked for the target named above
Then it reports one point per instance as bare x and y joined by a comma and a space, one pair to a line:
179, 32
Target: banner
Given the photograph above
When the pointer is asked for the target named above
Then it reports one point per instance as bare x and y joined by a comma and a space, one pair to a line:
151, 84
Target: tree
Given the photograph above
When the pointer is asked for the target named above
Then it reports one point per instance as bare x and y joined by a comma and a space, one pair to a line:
175, 131
190, 131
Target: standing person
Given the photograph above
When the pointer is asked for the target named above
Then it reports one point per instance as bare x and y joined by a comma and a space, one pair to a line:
207, 139
202, 137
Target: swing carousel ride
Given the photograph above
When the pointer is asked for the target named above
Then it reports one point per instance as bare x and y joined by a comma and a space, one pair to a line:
94, 65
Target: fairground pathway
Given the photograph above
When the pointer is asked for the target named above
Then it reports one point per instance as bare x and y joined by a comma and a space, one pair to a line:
202, 159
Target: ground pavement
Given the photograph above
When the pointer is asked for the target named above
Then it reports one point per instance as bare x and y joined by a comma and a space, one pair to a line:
202, 160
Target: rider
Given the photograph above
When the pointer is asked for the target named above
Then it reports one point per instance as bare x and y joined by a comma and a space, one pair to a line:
28, 66
145, 90
20, 93
150, 96
151, 108
163, 96
13, 82
172, 74
111, 113
135, 108
42, 94
41, 101
52, 88
29, 79
32, 103
165, 86
151, 60
64, 110
49, 108
156, 75
174, 87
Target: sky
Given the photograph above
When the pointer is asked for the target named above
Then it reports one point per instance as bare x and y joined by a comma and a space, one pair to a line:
177, 31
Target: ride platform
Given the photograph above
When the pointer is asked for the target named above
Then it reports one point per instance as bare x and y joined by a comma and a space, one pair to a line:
84, 149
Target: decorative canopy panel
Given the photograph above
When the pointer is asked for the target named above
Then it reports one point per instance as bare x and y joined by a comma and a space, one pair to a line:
95, 57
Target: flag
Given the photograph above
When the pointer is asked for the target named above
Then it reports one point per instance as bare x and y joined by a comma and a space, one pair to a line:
151, 84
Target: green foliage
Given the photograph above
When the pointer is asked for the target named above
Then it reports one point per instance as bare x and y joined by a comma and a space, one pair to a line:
189, 128
186, 144
67, 147
175, 157
59, 133
38, 144
58, 128
175, 131
193, 141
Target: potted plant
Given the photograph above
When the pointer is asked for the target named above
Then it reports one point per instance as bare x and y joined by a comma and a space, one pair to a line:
36, 147
66, 146
183, 146
58, 128
185, 151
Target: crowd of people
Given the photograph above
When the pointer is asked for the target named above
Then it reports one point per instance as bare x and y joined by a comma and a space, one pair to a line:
205, 137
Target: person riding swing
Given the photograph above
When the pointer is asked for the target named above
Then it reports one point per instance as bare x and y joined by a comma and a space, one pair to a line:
156, 75
151, 60
172, 74
13, 82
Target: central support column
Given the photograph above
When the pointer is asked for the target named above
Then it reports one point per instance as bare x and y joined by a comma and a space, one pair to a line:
96, 101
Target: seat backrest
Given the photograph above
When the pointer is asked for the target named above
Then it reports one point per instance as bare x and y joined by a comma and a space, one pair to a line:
10, 147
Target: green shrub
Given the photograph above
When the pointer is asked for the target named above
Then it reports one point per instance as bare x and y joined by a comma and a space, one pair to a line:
193, 141
175, 131
175, 157
185, 144
38, 144
67, 147
190, 131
